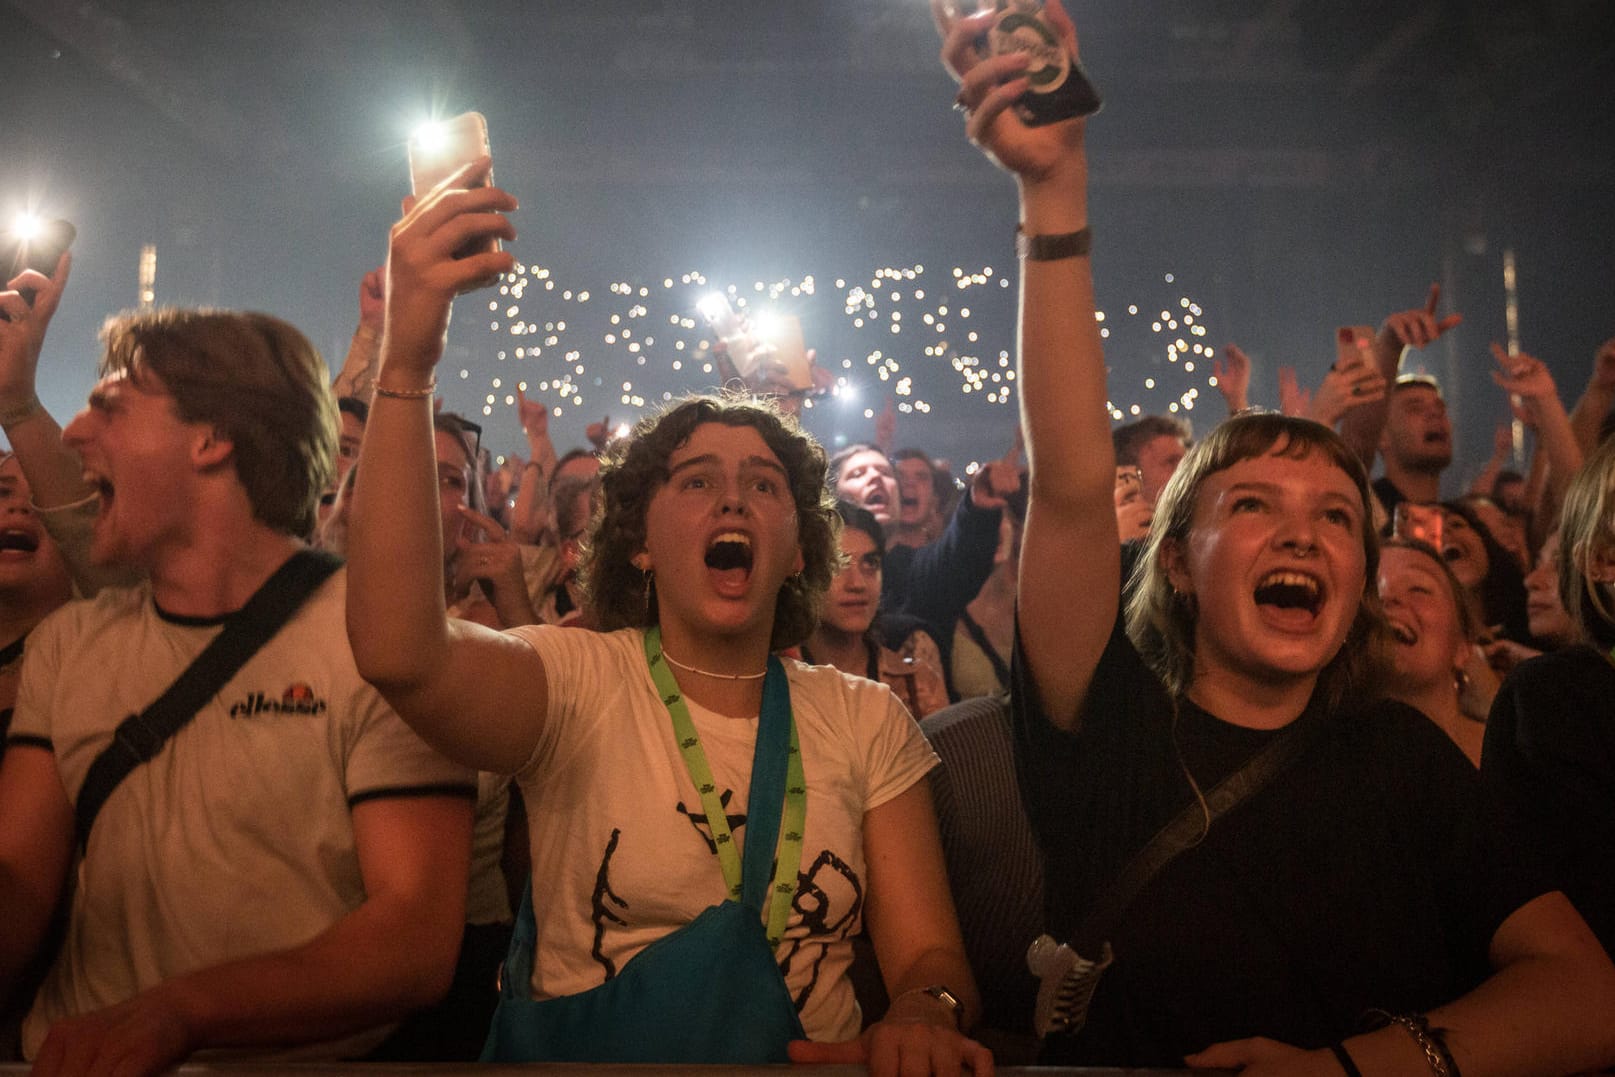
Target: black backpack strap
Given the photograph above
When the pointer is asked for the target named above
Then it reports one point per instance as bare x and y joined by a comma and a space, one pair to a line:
140, 737
1190, 826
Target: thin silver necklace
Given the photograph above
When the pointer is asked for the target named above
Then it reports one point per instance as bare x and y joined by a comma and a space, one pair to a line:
716, 676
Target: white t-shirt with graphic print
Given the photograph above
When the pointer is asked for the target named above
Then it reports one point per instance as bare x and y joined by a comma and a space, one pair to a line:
621, 852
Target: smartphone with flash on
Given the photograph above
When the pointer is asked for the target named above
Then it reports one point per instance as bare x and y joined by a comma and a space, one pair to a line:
1353, 344
784, 334
34, 244
437, 150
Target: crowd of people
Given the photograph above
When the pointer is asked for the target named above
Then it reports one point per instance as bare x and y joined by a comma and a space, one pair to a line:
326, 738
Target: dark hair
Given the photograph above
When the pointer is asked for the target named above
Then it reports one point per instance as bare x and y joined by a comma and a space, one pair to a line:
1129, 438
568, 520
861, 519
1502, 595
619, 595
456, 427
839, 460
258, 382
355, 407
566, 458
1162, 624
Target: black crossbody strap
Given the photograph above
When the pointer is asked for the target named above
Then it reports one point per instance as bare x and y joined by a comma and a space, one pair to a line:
140, 737
1189, 827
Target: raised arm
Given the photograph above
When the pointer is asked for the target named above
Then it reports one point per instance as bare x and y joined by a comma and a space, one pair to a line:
365, 348
1070, 560
65, 501
1400, 334
530, 517
1527, 377
474, 694
1596, 400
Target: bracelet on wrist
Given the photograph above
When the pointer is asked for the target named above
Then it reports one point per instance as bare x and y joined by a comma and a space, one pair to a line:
1431, 1041
1052, 248
365, 332
423, 393
22, 412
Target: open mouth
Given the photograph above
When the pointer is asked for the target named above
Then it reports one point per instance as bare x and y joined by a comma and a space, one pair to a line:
1403, 633
17, 540
1290, 591
730, 552
102, 485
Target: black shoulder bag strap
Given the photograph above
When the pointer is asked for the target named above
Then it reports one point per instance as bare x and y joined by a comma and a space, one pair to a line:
1067, 977
140, 737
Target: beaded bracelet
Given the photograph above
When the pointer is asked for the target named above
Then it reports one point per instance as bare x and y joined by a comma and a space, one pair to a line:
422, 393
1430, 1040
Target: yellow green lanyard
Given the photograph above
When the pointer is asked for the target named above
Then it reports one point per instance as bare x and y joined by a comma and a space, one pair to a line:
776, 777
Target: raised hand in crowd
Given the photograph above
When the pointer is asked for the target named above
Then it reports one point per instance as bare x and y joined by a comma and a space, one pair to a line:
495, 562
530, 516
1233, 373
1345, 386
1535, 398
1597, 400
52, 468
996, 481
1417, 327
1134, 514
886, 428
360, 364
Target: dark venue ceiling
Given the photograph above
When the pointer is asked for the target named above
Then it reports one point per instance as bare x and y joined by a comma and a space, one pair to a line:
1293, 165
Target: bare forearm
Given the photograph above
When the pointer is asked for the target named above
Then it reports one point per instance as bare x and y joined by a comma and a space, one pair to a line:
396, 615
53, 470
1062, 361
530, 515
1588, 415
359, 366
1557, 441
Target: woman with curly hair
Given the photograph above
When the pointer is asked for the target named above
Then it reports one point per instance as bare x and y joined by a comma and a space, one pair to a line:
652, 753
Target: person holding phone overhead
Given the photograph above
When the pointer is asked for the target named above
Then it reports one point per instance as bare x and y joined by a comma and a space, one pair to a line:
685, 789
1354, 864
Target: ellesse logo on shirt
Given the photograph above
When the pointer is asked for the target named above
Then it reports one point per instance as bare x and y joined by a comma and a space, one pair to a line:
298, 698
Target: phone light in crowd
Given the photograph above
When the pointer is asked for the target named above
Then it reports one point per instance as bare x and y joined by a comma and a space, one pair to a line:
713, 306
27, 226
767, 325
621, 431
431, 136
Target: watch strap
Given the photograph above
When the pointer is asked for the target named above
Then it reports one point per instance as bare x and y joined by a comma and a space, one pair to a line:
1052, 248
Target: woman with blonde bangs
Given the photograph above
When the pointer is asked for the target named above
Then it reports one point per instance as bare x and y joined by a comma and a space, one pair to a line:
1247, 848
1436, 666
1550, 742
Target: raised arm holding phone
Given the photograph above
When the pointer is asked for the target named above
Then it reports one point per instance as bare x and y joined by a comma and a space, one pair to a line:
1246, 648
714, 545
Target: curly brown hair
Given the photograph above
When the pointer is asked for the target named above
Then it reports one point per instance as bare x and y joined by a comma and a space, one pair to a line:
1162, 624
619, 595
